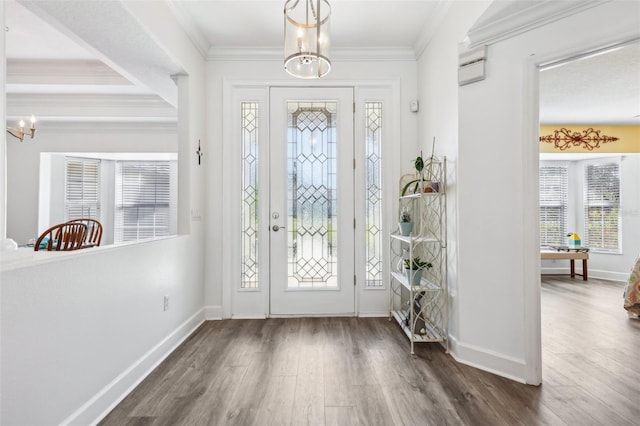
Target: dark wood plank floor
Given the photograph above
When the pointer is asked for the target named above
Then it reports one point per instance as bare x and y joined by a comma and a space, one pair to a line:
350, 371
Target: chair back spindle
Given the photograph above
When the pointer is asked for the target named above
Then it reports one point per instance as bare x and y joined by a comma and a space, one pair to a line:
62, 237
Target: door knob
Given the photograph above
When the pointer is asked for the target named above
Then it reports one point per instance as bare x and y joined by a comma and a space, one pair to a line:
276, 228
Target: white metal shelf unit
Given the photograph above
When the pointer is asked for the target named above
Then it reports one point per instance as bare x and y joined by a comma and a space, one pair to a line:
420, 307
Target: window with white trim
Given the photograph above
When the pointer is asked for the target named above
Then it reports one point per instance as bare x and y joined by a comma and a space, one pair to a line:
142, 200
602, 207
82, 188
553, 204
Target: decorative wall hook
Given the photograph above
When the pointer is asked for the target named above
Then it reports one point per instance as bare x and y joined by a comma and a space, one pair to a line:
199, 152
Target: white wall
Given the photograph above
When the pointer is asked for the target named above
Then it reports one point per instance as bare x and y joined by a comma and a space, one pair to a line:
79, 329
3, 138
263, 73
73, 325
498, 259
23, 165
438, 116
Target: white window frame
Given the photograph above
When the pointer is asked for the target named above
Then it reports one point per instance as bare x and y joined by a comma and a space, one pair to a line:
156, 198
82, 178
549, 199
588, 239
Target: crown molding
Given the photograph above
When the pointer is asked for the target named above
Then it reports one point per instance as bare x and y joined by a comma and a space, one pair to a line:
435, 19
89, 127
56, 71
80, 107
344, 54
504, 20
189, 26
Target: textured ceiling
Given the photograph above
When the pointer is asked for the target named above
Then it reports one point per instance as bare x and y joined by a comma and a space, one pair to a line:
599, 89
31, 37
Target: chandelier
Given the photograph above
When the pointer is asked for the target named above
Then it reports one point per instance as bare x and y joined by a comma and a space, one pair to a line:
306, 38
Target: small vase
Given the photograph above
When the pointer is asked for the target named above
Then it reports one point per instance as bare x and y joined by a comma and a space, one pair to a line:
417, 276
405, 228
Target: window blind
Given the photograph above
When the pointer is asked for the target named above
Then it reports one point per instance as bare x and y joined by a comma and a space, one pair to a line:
602, 206
142, 200
553, 205
82, 188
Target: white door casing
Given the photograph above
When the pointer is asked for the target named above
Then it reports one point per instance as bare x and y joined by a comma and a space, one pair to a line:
242, 295
312, 203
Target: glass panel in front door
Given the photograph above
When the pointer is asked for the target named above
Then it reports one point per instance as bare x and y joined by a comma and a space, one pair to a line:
312, 203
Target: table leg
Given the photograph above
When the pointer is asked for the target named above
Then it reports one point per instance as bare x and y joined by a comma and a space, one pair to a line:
573, 268
584, 269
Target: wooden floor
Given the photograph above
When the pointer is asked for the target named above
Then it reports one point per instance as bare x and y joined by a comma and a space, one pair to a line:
350, 371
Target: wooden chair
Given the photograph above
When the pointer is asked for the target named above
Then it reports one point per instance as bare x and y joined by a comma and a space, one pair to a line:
63, 237
94, 232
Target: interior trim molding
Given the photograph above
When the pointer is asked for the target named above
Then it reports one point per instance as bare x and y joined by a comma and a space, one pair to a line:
189, 26
487, 360
373, 314
86, 107
58, 71
608, 275
97, 407
434, 20
249, 316
337, 54
88, 127
504, 20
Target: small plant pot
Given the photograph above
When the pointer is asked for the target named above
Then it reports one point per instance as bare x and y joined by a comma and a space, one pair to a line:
431, 186
417, 276
405, 228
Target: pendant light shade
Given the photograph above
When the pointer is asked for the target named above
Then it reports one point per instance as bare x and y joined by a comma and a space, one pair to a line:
306, 38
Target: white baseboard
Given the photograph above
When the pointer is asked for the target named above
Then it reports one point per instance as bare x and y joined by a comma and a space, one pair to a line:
487, 360
373, 314
593, 273
608, 275
213, 312
249, 316
558, 271
96, 408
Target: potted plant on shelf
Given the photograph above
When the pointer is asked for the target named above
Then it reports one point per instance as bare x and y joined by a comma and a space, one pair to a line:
423, 183
418, 164
405, 224
415, 267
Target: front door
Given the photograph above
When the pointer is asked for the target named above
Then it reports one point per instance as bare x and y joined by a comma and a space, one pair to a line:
311, 231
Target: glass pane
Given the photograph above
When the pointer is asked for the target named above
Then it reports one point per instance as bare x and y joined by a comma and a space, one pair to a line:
82, 190
142, 200
373, 206
249, 216
601, 204
311, 195
554, 183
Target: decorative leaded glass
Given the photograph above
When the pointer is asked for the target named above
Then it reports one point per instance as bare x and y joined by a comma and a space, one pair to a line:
373, 206
311, 199
249, 217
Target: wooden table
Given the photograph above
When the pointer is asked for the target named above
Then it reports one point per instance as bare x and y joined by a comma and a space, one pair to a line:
572, 256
